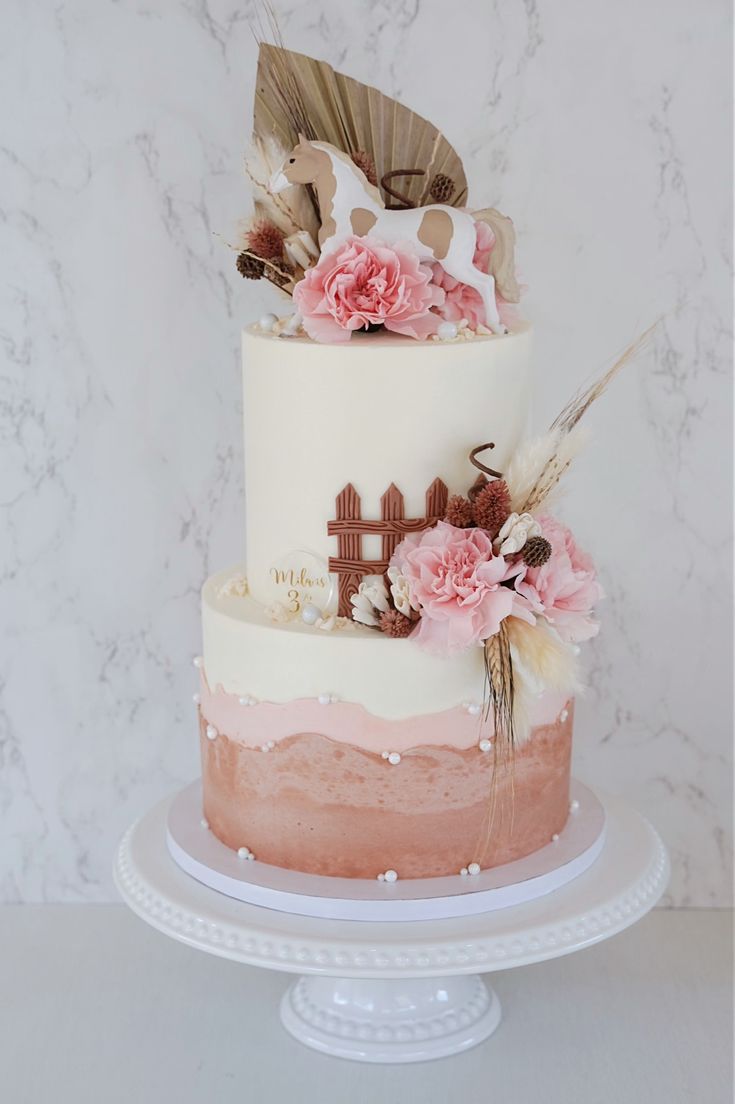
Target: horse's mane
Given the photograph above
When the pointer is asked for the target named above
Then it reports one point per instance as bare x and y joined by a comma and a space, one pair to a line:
359, 175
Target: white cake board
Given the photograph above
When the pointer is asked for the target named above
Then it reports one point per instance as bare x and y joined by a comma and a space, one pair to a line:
198, 852
405, 991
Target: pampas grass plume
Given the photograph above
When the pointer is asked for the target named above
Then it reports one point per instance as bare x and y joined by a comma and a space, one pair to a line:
542, 658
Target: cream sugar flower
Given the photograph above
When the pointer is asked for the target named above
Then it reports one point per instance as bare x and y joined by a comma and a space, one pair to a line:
277, 612
400, 591
370, 601
235, 587
516, 530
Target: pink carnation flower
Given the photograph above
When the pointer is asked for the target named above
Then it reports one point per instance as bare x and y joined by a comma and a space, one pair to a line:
462, 301
454, 581
566, 586
363, 282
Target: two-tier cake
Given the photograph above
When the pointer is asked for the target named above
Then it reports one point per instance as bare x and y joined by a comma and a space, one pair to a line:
387, 682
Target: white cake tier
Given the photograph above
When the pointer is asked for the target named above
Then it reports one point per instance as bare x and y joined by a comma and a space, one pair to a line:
248, 656
380, 411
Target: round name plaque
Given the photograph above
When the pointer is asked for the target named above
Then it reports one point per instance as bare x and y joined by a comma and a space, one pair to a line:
301, 578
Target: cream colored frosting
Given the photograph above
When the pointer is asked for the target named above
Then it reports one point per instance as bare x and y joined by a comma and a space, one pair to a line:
382, 410
246, 654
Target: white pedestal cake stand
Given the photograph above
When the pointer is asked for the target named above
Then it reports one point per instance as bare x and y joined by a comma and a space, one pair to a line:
397, 991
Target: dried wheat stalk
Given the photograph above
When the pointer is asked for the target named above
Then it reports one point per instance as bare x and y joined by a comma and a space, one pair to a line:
582, 401
499, 668
500, 701
563, 441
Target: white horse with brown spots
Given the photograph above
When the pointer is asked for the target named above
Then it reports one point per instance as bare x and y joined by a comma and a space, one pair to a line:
349, 204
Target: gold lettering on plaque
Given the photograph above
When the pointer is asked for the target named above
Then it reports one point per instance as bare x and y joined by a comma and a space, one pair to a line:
294, 599
300, 579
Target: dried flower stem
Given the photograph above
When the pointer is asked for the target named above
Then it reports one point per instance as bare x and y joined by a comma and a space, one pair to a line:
580, 404
500, 700
566, 423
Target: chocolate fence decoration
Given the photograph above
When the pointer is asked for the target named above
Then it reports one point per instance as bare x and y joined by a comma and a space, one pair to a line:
349, 527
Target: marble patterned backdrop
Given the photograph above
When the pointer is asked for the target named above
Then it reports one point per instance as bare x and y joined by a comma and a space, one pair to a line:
603, 128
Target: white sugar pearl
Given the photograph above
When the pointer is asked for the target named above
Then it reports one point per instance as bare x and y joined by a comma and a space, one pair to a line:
212, 733
394, 758
464, 872
247, 700
574, 806
310, 614
391, 876
264, 747
267, 322
292, 325
198, 661
204, 822
563, 715
243, 852
447, 331
250, 856
381, 877
473, 709
325, 699
196, 699
473, 869
384, 754
555, 837
333, 699
485, 745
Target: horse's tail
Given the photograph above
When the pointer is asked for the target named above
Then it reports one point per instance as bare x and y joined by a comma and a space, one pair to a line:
502, 258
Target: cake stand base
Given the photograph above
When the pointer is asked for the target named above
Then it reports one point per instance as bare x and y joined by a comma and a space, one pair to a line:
389, 1021
402, 991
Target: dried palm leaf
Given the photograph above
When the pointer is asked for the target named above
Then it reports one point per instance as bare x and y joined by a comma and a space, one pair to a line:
296, 94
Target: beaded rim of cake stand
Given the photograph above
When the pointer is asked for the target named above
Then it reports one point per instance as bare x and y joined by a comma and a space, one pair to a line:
538, 943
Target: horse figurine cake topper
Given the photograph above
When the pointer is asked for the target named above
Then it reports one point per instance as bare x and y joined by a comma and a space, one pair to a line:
349, 205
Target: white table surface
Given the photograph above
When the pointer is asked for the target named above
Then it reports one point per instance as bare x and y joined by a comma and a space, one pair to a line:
95, 1006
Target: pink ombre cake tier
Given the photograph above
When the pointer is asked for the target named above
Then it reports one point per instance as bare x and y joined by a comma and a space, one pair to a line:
346, 753
306, 786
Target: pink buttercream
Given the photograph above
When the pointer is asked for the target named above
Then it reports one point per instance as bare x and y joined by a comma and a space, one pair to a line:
365, 283
347, 722
324, 807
